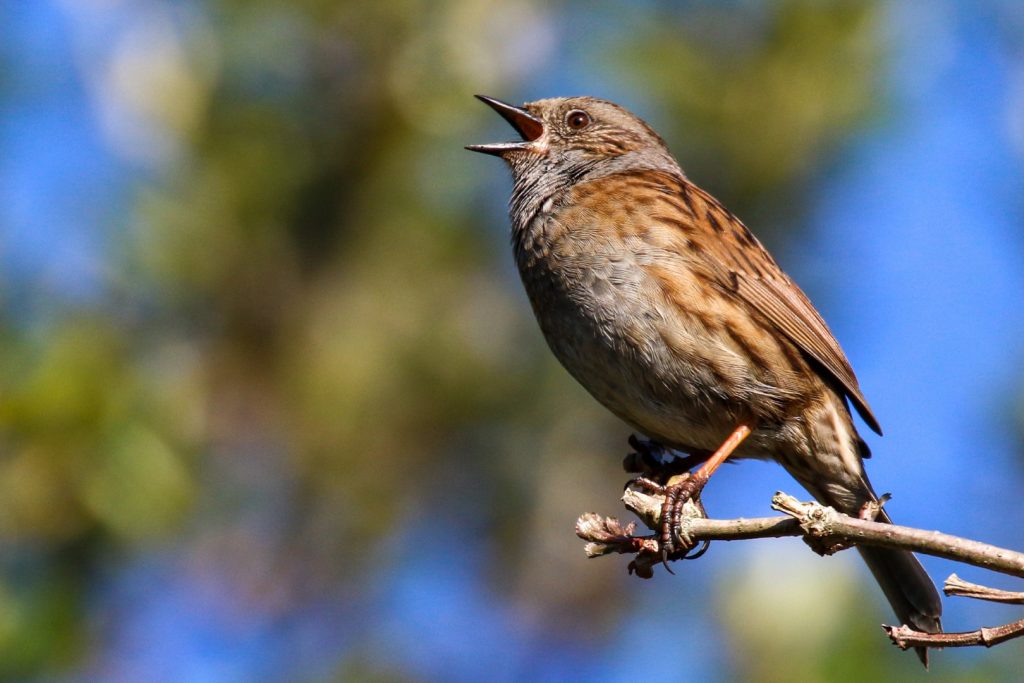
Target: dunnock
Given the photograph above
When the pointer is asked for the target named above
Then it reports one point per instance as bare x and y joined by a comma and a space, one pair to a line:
660, 302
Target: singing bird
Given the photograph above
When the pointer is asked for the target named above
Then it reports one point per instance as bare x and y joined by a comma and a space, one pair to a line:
670, 312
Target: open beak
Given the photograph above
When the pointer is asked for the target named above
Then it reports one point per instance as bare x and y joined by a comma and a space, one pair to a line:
526, 124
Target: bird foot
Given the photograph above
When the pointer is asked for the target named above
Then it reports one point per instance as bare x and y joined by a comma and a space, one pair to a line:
673, 542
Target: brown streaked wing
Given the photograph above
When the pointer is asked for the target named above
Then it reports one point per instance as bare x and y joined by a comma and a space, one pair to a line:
789, 309
748, 269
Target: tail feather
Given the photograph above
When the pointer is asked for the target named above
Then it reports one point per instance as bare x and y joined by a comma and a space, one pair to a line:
832, 471
899, 573
908, 588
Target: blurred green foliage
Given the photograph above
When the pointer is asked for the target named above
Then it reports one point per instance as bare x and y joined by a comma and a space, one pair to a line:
760, 103
309, 314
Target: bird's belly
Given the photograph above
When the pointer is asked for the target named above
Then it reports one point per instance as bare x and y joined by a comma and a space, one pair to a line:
605, 322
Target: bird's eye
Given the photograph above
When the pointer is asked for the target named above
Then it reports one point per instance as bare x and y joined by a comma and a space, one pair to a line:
577, 119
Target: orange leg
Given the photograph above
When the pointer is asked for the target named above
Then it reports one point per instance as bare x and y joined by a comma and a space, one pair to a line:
717, 458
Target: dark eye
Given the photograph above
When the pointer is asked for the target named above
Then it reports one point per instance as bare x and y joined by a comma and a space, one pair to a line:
577, 119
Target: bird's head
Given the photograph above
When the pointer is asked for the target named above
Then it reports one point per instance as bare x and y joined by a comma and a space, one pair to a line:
572, 137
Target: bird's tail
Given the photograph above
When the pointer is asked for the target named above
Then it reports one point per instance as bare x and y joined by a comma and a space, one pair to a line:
907, 586
904, 581
835, 476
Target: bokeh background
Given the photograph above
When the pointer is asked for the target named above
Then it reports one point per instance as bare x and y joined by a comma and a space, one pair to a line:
274, 408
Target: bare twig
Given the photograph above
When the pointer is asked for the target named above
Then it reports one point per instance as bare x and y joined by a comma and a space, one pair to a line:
905, 637
699, 528
955, 586
826, 523
826, 531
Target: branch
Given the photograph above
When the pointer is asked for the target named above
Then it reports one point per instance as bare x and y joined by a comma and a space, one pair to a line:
955, 586
821, 522
826, 531
607, 535
905, 637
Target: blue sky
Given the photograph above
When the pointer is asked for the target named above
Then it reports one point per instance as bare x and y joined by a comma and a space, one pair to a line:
58, 180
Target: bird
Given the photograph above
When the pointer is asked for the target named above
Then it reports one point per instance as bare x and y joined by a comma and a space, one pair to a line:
670, 312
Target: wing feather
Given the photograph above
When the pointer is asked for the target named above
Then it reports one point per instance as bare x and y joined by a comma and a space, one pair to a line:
742, 264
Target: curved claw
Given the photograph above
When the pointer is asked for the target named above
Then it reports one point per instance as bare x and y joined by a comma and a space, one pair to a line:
685, 540
705, 544
664, 559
